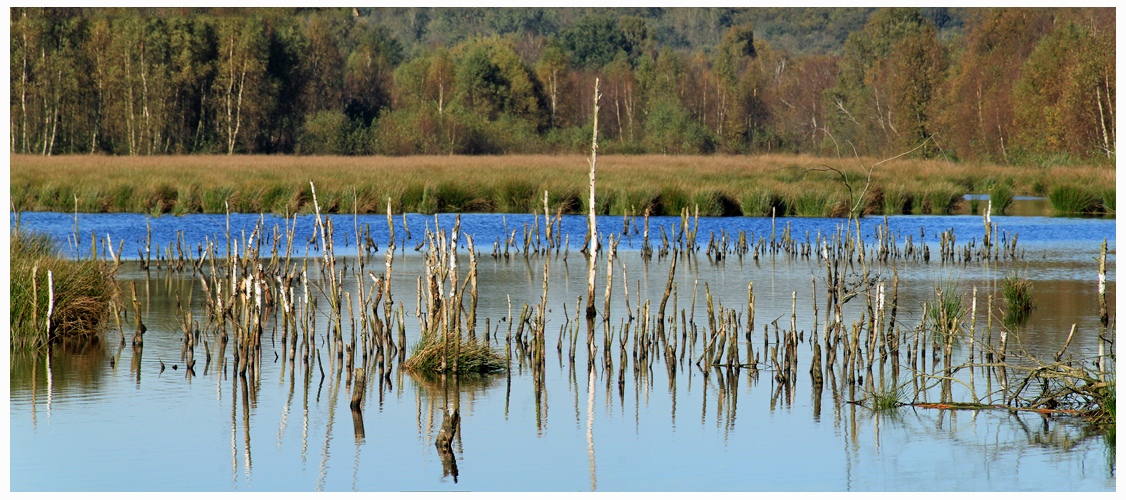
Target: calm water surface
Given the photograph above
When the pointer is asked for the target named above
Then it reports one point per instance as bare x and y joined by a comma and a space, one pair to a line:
111, 420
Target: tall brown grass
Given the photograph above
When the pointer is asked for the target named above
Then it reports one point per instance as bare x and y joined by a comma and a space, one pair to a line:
719, 184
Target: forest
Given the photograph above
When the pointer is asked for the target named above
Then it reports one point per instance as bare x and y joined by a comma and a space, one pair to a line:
1022, 86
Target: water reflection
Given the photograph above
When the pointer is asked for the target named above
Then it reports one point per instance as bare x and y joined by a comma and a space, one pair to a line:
402, 412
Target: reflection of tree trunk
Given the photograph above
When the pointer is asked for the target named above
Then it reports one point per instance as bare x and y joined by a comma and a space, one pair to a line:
451, 423
358, 425
590, 427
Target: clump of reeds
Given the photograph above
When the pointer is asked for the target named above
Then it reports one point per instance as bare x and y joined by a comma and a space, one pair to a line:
940, 199
896, 199
1108, 195
1000, 198
473, 356
887, 396
1072, 199
1018, 296
945, 309
761, 202
77, 293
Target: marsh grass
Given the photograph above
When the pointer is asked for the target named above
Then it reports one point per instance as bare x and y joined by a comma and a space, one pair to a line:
1000, 198
720, 184
945, 309
887, 397
474, 355
82, 291
760, 202
1072, 199
1018, 298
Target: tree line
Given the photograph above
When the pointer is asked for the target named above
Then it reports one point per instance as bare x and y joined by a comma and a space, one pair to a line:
1010, 85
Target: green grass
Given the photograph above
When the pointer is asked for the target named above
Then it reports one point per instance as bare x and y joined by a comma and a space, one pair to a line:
759, 202
1018, 293
1000, 198
1072, 199
82, 291
887, 397
945, 310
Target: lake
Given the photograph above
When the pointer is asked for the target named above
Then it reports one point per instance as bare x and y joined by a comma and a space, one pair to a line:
111, 418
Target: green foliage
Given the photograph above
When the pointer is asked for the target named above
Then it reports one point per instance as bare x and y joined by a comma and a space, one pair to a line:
896, 200
325, 133
939, 199
670, 129
1010, 85
672, 201
595, 39
1064, 93
514, 196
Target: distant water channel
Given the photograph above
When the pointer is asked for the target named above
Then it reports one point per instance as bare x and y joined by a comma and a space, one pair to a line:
106, 418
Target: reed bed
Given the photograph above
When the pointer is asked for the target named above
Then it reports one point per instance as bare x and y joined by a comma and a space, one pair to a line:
53, 297
720, 184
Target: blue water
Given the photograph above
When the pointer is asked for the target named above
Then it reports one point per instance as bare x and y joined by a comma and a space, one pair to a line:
97, 425
1033, 233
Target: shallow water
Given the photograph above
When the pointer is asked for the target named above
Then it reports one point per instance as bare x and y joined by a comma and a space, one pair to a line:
125, 425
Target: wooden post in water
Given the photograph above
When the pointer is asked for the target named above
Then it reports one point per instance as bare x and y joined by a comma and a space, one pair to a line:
359, 381
1103, 316
51, 302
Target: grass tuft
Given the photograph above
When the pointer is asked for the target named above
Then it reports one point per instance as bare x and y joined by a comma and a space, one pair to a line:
1001, 198
82, 291
474, 356
1018, 296
1072, 199
888, 397
945, 310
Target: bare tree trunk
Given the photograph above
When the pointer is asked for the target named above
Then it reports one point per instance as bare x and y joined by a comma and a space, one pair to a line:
1102, 121
591, 221
145, 102
55, 114
230, 91
23, 86
131, 122
554, 94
